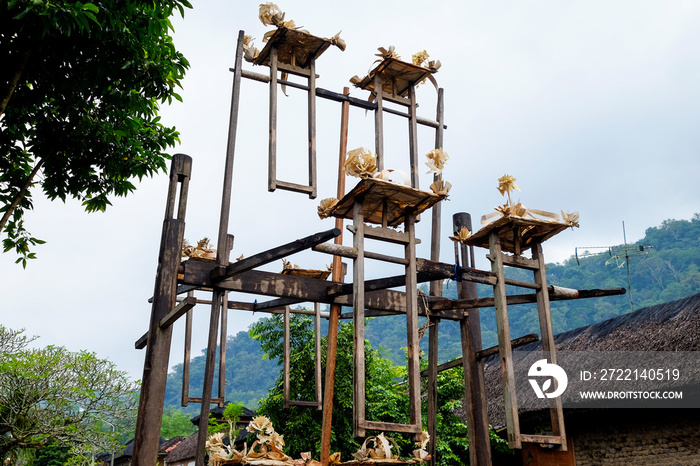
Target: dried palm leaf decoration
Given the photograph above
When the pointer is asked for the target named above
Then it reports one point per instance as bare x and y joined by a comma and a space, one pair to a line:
506, 185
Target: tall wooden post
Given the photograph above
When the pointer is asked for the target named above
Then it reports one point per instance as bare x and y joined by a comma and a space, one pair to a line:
474, 390
155, 368
435, 290
224, 246
334, 317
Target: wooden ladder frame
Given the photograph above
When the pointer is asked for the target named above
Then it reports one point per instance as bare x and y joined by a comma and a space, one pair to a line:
408, 239
537, 265
310, 74
318, 403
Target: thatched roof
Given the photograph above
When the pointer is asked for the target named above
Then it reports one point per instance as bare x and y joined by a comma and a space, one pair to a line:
673, 326
186, 449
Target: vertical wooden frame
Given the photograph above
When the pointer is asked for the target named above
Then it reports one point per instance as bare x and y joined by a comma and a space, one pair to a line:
272, 141
470, 330
312, 129
358, 304
287, 357
412, 324
413, 137
543, 309
319, 369
286, 369
504, 346
273, 182
379, 122
155, 369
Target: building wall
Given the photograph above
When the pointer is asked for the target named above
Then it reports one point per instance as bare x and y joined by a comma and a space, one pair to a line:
636, 437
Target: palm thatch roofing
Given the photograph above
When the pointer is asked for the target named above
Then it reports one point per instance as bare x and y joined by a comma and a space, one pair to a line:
294, 47
673, 326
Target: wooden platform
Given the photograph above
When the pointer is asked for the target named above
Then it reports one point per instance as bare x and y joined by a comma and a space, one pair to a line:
397, 76
294, 47
517, 234
378, 195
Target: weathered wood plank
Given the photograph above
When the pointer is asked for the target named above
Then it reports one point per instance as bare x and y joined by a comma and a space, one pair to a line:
310, 404
351, 253
358, 306
312, 128
384, 234
295, 187
544, 439
272, 141
555, 294
273, 254
379, 124
178, 311
391, 427
413, 348
519, 262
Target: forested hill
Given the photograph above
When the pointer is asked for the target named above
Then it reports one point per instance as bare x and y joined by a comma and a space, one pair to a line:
670, 271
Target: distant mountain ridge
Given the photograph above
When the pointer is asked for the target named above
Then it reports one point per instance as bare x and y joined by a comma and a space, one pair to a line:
671, 271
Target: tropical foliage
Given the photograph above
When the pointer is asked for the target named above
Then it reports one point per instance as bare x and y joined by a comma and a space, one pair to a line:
80, 87
50, 397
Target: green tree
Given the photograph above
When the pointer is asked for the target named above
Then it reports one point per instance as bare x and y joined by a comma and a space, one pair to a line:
386, 401
52, 397
80, 88
176, 423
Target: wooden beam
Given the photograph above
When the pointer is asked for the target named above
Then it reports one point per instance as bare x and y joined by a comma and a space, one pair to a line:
522, 341
384, 234
391, 427
544, 439
351, 253
555, 294
178, 311
272, 255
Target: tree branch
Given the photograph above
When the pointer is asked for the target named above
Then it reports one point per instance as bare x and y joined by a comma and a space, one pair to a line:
20, 195
12, 84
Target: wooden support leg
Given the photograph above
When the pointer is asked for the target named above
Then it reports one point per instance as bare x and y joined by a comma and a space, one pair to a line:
155, 368
475, 392
186, 357
358, 304
543, 309
504, 346
334, 317
412, 326
432, 387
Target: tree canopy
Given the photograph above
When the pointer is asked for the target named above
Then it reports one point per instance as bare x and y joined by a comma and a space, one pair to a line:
53, 398
80, 88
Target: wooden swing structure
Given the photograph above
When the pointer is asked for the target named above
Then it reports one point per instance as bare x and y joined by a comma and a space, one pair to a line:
382, 204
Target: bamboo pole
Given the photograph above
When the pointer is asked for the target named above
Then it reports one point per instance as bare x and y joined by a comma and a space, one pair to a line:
334, 317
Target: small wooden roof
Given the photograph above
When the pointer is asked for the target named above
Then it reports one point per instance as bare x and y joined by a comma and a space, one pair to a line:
397, 76
400, 201
294, 47
517, 234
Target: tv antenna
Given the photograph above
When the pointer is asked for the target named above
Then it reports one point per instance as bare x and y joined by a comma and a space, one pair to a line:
619, 254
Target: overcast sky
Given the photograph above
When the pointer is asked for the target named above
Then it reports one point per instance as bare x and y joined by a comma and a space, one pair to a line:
592, 105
